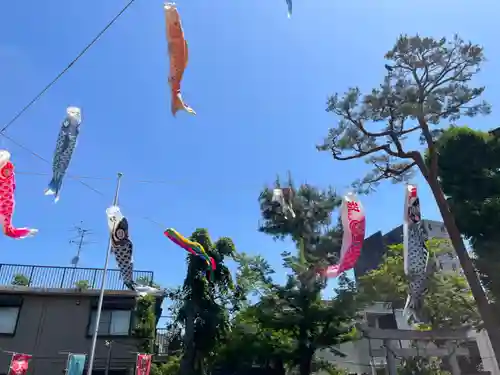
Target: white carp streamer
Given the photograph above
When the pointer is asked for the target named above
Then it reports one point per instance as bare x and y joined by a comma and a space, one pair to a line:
354, 224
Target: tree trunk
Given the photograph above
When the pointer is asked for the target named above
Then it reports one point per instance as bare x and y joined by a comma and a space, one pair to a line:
189, 356
484, 308
306, 354
279, 367
305, 362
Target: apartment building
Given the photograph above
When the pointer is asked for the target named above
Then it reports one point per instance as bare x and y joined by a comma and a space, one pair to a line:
375, 247
50, 312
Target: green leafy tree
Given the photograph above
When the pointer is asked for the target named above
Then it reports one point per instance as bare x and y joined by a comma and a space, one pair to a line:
469, 165
249, 344
204, 303
82, 284
448, 303
145, 323
254, 275
20, 280
421, 366
297, 309
144, 280
428, 81
171, 367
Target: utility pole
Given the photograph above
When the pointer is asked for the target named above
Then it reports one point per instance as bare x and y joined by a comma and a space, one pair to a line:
103, 286
79, 241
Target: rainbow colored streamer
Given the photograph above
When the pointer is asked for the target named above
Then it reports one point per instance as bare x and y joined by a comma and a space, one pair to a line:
192, 247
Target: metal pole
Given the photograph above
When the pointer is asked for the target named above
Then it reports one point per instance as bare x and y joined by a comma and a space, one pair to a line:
101, 294
108, 360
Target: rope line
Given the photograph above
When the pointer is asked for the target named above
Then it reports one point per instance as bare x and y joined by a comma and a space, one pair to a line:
65, 70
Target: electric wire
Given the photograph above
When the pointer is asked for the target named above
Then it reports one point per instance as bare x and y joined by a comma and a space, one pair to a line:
67, 68
76, 178
101, 178
80, 177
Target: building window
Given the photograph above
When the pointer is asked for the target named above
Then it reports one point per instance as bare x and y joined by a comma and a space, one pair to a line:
112, 323
430, 226
453, 266
8, 319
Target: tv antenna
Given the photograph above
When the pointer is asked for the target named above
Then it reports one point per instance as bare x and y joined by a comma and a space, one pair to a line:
80, 241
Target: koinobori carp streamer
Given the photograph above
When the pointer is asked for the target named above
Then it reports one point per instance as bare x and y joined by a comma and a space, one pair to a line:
178, 52
289, 5
354, 226
66, 144
122, 247
7, 202
415, 254
284, 198
190, 246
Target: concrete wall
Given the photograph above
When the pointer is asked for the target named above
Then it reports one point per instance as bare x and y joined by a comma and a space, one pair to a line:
50, 323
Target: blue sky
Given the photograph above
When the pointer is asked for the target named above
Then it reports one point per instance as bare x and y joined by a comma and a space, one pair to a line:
259, 84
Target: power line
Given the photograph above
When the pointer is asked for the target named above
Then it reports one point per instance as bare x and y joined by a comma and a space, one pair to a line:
98, 192
65, 70
101, 178
38, 156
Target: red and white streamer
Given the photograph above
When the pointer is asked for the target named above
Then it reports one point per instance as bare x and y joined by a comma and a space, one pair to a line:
143, 364
19, 364
354, 225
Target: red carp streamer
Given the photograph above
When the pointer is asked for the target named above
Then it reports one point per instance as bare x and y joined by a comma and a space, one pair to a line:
178, 51
7, 203
354, 224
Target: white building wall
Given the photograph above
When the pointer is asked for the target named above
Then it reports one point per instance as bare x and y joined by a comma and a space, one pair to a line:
485, 349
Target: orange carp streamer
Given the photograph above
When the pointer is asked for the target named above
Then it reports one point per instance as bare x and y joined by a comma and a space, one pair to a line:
178, 51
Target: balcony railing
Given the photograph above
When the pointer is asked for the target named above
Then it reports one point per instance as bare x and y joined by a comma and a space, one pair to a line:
65, 277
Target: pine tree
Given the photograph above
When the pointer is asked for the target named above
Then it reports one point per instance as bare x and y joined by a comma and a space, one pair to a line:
297, 307
429, 83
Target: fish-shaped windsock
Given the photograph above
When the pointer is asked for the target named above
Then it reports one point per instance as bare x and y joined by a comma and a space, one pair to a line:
178, 51
66, 143
354, 226
122, 247
284, 197
289, 5
190, 246
7, 203
416, 255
